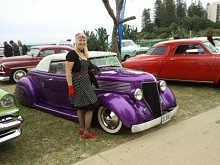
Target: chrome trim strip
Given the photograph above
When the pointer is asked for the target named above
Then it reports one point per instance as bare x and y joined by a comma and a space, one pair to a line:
4, 78
17, 132
11, 123
119, 86
152, 123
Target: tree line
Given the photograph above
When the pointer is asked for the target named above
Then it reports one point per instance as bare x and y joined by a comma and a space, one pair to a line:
173, 17
170, 18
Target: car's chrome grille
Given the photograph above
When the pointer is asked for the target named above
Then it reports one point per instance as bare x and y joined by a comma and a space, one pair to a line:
114, 86
142, 52
151, 96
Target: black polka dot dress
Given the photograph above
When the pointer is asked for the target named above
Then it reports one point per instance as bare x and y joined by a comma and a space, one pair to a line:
85, 97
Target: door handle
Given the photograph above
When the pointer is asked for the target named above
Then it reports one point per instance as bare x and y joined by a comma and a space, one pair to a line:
172, 59
50, 78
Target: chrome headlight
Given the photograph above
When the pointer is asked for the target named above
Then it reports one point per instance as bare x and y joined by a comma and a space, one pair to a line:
163, 85
136, 94
7, 101
134, 52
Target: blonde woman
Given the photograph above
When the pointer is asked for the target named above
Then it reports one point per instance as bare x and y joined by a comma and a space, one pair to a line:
81, 94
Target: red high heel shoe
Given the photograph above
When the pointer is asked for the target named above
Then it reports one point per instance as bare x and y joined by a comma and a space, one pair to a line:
89, 135
80, 131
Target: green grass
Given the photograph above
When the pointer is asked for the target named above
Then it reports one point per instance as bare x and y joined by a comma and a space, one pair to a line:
51, 140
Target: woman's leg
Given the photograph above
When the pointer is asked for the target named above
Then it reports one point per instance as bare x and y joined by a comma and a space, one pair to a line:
81, 117
88, 120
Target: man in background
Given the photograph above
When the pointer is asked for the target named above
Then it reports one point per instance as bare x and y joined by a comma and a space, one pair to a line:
22, 48
15, 48
7, 50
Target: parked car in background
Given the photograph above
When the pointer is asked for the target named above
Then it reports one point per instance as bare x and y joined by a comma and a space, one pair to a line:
216, 41
2, 52
216, 38
130, 49
129, 99
68, 42
217, 44
10, 120
180, 60
13, 68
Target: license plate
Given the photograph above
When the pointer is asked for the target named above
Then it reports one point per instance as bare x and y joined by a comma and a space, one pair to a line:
165, 118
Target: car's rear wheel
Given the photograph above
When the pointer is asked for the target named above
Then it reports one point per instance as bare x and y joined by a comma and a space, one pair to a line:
109, 121
18, 74
126, 57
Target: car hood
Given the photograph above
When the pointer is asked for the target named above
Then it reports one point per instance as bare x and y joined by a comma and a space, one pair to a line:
124, 74
138, 48
15, 58
140, 58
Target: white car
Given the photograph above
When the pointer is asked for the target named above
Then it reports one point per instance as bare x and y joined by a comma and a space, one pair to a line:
130, 49
215, 40
68, 42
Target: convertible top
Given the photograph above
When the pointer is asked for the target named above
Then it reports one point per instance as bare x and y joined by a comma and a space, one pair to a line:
44, 64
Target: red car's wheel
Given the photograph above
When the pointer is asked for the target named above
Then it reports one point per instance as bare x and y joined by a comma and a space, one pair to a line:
17, 75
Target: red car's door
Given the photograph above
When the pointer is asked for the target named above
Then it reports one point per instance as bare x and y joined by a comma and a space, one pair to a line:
187, 67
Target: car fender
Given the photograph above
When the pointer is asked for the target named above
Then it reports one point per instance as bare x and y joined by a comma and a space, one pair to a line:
168, 98
121, 107
25, 92
153, 66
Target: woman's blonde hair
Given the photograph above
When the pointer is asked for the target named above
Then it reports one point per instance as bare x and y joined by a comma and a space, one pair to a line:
81, 35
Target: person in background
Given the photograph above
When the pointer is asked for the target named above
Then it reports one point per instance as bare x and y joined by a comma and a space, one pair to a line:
81, 94
8, 52
15, 48
176, 37
22, 48
210, 39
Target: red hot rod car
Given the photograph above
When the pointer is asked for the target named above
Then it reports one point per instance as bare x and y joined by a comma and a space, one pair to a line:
182, 60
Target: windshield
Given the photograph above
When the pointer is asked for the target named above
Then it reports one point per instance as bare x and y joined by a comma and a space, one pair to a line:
127, 43
217, 43
210, 47
105, 61
33, 52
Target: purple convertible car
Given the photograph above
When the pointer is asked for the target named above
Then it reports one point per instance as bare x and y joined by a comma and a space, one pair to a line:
128, 98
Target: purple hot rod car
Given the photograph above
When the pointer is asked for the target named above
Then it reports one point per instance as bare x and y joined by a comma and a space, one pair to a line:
128, 98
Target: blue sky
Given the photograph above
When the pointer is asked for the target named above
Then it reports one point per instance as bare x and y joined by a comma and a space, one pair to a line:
45, 21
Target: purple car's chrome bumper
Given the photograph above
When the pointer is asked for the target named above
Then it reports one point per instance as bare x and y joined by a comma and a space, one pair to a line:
152, 123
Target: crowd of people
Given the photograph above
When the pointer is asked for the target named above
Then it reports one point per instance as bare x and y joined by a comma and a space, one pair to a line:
14, 49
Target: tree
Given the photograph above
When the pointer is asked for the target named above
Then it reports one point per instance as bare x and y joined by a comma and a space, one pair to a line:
98, 41
180, 14
159, 11
145, 21
196, 9
180, 9
116, 22
170, 12
130, 33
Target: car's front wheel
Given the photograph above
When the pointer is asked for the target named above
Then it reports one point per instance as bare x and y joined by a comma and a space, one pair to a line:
17, 75
126, 57
109, 121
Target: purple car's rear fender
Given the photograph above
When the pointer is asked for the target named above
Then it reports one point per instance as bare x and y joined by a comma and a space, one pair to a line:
25, 93
122, 108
